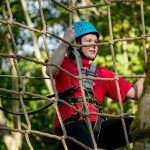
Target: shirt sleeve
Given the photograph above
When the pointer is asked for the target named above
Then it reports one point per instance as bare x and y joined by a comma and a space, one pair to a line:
64, 65
111, 88
63, 80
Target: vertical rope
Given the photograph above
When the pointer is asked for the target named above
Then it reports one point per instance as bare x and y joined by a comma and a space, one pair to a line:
64, 144
81, 85
28, 141
44, 29
51, 77
18, 72
116, 78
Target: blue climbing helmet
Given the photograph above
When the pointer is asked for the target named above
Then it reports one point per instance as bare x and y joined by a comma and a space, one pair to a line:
82, 28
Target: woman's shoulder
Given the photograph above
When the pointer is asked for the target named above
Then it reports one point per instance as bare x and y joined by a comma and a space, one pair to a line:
105, 72
67, 62
67, 59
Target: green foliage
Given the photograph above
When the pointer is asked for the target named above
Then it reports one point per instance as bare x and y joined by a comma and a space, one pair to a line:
126, 23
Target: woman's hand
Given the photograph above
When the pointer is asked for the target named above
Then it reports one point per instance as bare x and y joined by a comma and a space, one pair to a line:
70, 35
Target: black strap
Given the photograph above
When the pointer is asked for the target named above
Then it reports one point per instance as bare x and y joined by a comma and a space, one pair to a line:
74, 100
75, 117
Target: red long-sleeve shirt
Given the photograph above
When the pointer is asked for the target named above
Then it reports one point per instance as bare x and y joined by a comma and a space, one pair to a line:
100, 88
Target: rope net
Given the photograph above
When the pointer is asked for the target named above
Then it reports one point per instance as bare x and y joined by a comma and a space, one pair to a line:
8, 21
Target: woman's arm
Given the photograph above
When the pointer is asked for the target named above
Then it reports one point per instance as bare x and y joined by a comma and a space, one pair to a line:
136, 91
58, 56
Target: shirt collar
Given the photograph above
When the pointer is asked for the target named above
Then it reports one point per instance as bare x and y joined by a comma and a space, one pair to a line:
85, 62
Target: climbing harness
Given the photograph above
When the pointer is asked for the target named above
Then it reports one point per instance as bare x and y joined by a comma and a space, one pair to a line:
88, 89
88, 84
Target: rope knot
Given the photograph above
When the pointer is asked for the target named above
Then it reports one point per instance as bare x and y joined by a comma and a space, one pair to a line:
142, 36
111, 42
22, 93
116, 78
43, 31
10, 22
108, 2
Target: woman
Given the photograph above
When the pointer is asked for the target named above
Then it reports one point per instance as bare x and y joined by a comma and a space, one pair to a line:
111, 133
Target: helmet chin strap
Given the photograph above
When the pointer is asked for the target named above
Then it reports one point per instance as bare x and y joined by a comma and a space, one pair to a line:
82, 54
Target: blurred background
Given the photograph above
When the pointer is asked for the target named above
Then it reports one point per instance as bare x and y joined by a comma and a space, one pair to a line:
130, 60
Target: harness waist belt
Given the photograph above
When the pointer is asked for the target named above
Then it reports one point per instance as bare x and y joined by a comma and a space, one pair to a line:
74, 100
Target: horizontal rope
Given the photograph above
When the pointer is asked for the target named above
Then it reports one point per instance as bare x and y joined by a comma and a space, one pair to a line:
29, 77
100, 4
75, 45
75, 77
51, 136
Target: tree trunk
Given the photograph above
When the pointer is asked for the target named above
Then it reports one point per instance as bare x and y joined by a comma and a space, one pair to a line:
12, 141
140, 128
15, 107
35, 44
7, 137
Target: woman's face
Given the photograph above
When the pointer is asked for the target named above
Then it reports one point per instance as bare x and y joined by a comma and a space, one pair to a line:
90, 51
